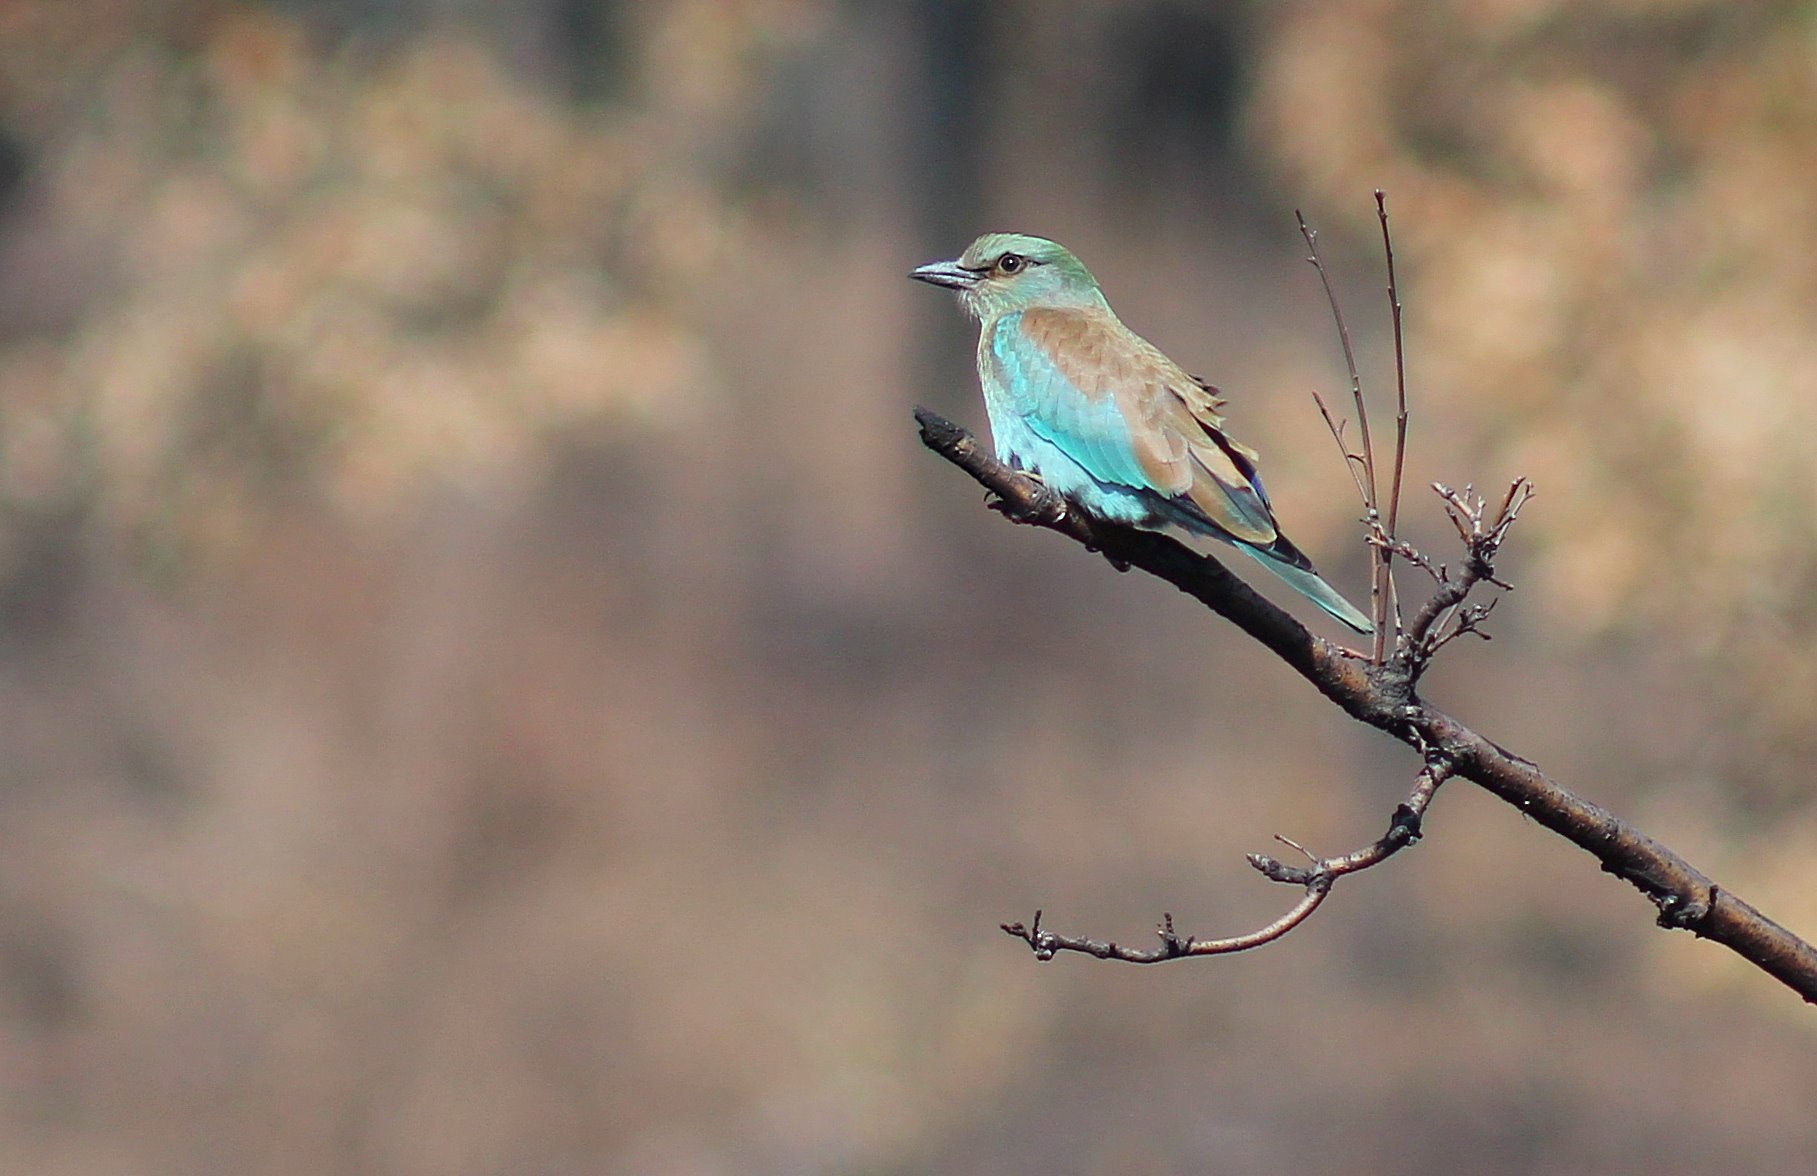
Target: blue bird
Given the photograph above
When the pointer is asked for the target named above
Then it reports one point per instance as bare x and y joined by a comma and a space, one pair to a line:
1103, 418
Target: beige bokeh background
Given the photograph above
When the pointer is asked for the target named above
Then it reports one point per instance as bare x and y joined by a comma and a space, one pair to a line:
492, 685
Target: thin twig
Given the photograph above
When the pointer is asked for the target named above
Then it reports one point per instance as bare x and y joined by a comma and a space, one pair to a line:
1356, 381
1381, 584
1379, 536
1445, 616
1400, 415
1318, 878
1353, 462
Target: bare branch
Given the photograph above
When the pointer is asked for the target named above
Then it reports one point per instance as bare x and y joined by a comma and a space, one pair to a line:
1378, 536
1354, 462
1317, 878
1482, 534
1400, 416
1384, 696
1317, 262
1381, 581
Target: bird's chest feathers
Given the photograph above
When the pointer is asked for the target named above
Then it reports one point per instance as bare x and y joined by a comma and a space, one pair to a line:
1054, 410
1026, 367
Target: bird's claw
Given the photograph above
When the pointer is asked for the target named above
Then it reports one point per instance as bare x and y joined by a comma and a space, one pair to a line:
1043, 505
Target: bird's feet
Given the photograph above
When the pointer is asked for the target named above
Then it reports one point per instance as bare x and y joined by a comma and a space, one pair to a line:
1042, 504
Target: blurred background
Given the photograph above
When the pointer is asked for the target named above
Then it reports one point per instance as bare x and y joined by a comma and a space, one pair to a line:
491, 684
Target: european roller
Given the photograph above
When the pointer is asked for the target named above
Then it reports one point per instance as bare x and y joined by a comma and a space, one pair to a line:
1103, 418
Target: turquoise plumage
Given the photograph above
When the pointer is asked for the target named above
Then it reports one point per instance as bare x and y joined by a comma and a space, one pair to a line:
1105, 419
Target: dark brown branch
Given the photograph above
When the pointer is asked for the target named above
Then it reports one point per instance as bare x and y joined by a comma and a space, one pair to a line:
1384, 697
1318, 879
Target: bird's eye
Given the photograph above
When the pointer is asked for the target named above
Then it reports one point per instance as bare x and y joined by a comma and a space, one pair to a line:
1009, 263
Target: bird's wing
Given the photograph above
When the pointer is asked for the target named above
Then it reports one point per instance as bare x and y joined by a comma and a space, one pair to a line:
1133, 417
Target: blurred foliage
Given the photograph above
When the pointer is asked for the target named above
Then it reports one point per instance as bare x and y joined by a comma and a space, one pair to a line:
592, 736
277, 266
1611, 210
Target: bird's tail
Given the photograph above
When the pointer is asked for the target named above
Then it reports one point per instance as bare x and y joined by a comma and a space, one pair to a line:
1286, 561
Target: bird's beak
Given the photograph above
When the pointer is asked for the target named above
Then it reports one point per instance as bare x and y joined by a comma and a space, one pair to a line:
950, 274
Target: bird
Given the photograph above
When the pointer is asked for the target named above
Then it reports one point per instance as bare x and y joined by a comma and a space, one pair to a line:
1103, 418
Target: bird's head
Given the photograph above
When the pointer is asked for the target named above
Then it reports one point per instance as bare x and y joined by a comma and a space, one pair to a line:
1001, 273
